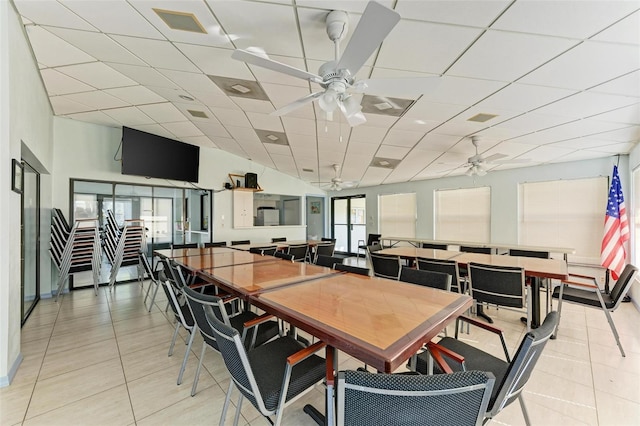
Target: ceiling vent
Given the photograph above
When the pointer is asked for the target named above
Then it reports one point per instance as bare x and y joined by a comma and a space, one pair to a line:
240, 88
181, 21
197, 114
481, 118
385, 106
385, 163
276, 138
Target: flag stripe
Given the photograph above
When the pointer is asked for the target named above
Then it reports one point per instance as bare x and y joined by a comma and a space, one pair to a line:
616, 229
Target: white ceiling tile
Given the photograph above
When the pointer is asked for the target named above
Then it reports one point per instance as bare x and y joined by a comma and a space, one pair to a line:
214, 36
369, 134
281, 96
129, 116
61, 84
563, 18
182, 129
334, 130
154, 129
472, 13
512, 149
213, 97
627, 85
63, 106
201, 141
212, 129
578, 156
190, 80
163, 113
283, 162
215, 61
301, 126
402, 138
264, 75
98, 45
157, 53
330, 157
243, 134
507, 56
625, 31
437, 142
413, 164
620, 148
97, 75
374, 176
379, 120
355, 7
265, 122
254, 105
229, 117
571, 130
277, 149
533, 121
135, 95
625, 134
173, 95
411, 124
524, 97
53, 51
425, 109
95, 117
274, 34
146, 76
462, 91
114, 17
547, 153
584, 143
586, 104
587, 65
434, 56
51, 13
97, 100
460, 127
629, 115
390, 151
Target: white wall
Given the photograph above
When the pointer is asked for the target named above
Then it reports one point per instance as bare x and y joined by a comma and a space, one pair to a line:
25, 120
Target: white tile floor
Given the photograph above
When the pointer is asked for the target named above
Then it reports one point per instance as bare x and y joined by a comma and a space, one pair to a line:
102, 360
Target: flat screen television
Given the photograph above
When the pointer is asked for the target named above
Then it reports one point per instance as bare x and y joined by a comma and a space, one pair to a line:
144, 154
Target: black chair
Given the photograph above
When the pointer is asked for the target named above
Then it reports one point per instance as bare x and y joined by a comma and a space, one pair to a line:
153, 277
216, 244
184, 246
385, 266
449, 267
278, 239
333, 240
264, 251
457, 399
539, 255
239, 242
371, 238
434, 246
324, 250
328, 261
266, 329
426, 278
299, 252
501, 286
352, 269
285, 256
470, 249
590, 295
269, 375
511, 376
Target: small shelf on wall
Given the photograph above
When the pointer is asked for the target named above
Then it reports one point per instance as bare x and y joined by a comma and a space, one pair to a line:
238, 183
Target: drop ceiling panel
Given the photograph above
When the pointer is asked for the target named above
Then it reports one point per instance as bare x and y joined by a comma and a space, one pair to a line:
591, 142
243, 134
512, 149
213, 97
230, 117
97, 75
627, 85
146, 76
265, 122
215, 61
621, 148
462, 91
97, 100
275, 33
625, 134
278, 149
61, 84
524, 97
374, 176
301, 126
402, 138
52, 13
547, 153
212, 129
472, 13
163, 113
201, 141
114, 17
173, 95
352, 6
95, 117
255, 106
157, 53
586, 104
532, 122
577, 68
411, 166
190, 80
563, 18
416, 125
437, 142
135, 95
284, 162
368, 134
426, 110
230, 145
330, 157
507, 56
281, 96
264, 75
129, 116
98, 45
394, 152
53, 51
629, 115
63, 106
182, 129
624, 31
155, 129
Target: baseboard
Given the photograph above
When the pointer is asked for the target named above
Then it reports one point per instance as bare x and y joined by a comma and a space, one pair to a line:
6, 380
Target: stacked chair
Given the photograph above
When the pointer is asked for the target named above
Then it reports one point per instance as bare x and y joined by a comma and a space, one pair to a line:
74, 249
122, 246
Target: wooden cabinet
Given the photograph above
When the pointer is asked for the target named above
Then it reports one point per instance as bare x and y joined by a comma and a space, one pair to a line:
242, 208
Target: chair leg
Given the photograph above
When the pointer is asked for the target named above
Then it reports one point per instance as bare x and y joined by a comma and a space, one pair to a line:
555, 333
186, 355
227, 399
195, 379
173, 339
527, 421
237, 416
153, 298
283, 394
615, 332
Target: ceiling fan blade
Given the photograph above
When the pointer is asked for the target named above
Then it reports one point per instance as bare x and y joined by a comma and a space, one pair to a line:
375, 24
261, 61
493, 157
397, 87
354, 118
297, 104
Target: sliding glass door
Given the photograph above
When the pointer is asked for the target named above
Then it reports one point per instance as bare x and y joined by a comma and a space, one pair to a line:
348, 223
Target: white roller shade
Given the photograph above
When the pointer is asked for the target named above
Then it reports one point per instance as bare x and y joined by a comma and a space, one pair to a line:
463, 214
397, 215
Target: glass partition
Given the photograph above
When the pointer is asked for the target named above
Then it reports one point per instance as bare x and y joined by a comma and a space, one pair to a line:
275, 209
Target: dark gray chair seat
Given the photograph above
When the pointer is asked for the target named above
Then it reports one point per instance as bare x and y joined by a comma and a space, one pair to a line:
352, 269
426, 278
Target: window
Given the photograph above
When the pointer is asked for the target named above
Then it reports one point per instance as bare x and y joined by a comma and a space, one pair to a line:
564, 213
463, 215
397, 215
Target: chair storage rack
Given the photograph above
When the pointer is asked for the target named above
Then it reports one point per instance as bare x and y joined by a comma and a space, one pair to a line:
130, 241
76, 249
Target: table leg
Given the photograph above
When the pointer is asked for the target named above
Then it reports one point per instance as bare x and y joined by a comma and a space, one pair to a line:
329, 403
535, 303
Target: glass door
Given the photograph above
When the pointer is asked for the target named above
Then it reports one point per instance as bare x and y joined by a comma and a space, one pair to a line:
348, 223
30, 241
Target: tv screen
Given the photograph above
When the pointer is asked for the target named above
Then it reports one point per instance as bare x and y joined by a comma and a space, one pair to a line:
144, 154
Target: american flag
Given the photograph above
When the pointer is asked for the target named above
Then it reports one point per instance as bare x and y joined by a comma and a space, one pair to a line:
616, 229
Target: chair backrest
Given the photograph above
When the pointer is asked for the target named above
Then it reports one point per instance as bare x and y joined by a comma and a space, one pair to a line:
499, 285
623, 285
261, 250
269, 251
385, 266
216, 244
426, 278
325, 249
299, 251
469, 249
350, 268
146, 265
235, 358
441, 265
457, 399
238, 242
173, 287
372, 238
282, 255
522, 365
184, 246
278, 239
529, 253
197, 303
328, 261
375, 246
434, 246
333, 240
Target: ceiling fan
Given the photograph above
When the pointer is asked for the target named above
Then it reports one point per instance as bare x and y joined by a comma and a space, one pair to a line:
337, 77
477, 164
336, 183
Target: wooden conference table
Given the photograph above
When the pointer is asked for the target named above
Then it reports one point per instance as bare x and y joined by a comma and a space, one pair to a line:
280, 245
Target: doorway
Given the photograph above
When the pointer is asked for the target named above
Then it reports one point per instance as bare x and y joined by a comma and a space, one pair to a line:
30, 241
315, 217
348, 223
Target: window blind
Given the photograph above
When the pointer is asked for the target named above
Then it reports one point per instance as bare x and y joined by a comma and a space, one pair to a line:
397, 215
463, 214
